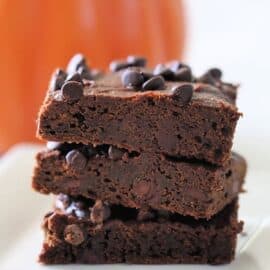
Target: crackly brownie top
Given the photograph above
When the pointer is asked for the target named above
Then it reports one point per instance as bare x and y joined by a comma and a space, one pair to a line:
131, 78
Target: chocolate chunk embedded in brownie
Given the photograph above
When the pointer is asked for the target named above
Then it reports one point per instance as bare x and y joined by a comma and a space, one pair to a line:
143, 110
126, 238
139, 180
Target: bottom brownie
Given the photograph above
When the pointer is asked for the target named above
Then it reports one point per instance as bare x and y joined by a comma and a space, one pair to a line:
88, 232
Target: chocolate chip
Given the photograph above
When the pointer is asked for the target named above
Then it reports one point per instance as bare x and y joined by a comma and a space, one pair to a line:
80, 213
115, 153
145, 214
132, 79
72, 90
212, 76
65, 200
154, 83
74, 77
216, 73
75, 62
175, 65
76, 160
182, 93
183, 74
118, 65
73, 234
85, 73
90, 151
62, 202
100, 212
163, 71
57, 80
136, 61
102, 149
54, 145
77, 209
142, 188
146, 75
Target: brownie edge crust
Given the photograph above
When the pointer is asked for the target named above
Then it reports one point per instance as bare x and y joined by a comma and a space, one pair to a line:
125, 237
148, 121
144, 180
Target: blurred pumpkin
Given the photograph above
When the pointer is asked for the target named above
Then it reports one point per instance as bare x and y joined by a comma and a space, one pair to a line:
37, 36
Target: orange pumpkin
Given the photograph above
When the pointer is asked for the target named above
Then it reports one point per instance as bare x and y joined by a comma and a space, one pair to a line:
37, 36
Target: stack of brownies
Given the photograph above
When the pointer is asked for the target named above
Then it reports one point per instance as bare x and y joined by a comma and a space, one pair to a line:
141, 165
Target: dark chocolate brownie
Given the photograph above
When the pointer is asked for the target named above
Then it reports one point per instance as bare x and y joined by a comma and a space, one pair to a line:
142, 110
139, 179
84, 232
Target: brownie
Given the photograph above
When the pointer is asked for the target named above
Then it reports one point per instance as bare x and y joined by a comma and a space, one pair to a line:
165, 110
85, 232
139, 179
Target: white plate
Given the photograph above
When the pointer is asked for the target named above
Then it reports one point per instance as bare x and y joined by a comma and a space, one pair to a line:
22, 211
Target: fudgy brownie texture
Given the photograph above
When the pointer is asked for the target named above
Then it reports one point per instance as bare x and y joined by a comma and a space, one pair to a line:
143, 110
83, 232
139, 179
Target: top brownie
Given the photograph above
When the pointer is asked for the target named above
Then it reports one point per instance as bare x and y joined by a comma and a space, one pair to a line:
162, 110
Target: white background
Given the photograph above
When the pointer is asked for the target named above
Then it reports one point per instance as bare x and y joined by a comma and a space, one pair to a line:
235, 36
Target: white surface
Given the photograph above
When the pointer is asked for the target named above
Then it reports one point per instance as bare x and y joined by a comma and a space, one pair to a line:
22, 211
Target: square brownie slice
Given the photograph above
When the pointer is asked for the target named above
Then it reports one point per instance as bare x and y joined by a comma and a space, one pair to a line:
142, 110
139, 179
83, 232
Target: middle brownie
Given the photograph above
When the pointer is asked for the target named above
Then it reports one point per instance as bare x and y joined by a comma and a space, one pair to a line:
138, 179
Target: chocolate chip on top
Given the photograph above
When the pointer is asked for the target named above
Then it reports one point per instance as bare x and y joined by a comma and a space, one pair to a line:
183, 74
176, 65
212, 76
146, 75
215, 73
142, 81
79, 64
57, 80
154, 83
77, 61
165, 72
75, 76
118, 65
72, 83
131, 61
182, 93
132, 79
72, 90
85, 72
174, 71
136, 61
